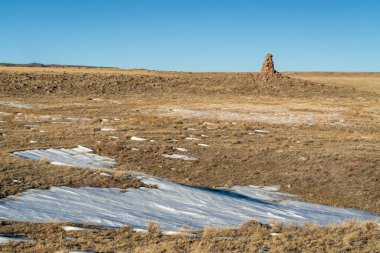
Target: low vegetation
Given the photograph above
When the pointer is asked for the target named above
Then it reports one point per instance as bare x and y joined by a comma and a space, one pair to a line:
250, 237
320, 142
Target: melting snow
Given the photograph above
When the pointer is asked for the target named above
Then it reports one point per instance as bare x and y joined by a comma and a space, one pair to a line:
203, 145
192, 139
134, 138
173, 205
78, 157
107, 129
261, 131
6, 239
183, 157
71, 228
181, 149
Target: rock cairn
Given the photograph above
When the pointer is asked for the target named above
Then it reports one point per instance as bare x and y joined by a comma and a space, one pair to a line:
268, 67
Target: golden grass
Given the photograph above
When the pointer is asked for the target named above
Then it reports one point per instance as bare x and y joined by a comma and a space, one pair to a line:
50, 237
361, 81
325, 162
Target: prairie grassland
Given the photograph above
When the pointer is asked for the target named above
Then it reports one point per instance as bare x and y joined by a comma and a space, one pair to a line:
250, 237
331, 161
318, 141
362, 81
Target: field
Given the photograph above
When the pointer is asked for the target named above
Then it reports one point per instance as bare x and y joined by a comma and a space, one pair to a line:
362, 81
314, 135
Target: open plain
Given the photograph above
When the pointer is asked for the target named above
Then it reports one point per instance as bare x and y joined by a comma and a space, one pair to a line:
312, 135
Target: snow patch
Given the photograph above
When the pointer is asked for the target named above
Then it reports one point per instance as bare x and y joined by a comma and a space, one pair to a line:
6, 239
173, 205
183, 157
192, 139
181, 149
77, 157
134, 138
71, 228
107, 129
260, 131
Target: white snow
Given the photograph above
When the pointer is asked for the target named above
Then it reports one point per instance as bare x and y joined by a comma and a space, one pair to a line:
179, 233
203, 145
181, 149
107, 129
134, 138
261, 131
183, 157
173, 205
78, 157
192, 139
6, 239
71, 228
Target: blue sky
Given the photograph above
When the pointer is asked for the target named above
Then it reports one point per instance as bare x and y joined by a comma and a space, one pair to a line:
193, 35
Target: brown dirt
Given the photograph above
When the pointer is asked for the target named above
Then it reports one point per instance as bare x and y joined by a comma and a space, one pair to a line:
250, 237
46, 81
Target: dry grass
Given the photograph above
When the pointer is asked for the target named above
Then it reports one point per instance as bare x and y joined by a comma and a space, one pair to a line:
74, 82
251, 237
327, 163
361, 81
153, 228
323, 163
22, 176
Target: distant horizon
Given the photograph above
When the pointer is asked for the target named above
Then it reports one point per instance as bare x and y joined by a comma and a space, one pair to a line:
52, 65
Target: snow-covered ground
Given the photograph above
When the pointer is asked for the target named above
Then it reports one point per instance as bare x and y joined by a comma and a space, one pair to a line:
79, 157
178, 156
6, 239
173, 205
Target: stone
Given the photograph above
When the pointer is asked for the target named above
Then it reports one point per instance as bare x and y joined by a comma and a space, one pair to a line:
268, 66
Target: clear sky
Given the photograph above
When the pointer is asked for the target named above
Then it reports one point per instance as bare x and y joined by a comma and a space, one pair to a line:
193, 35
